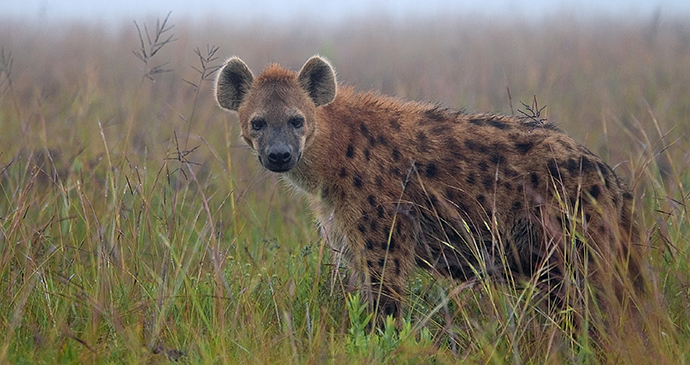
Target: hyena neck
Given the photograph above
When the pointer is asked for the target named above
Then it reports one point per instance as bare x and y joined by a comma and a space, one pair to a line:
324, 156
303, 176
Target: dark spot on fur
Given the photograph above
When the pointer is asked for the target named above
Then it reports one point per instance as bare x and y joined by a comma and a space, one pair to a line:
431, 170
422, 142
350, 151
454, 148
382, 262
439, 130
394, 124
370, 245
483, 165
372, 200
365, 131
463, 207
517, 205
627, 195
370, 265
510, 172
397, 266
498, 124
478, 122
357, 181
392, 246
553, 168
379, 181
523, 148
361, 228
604, 171
587, 165
508, 186
367, 154
471, 179
476, 146
450, 194
382, 140
380, 212
374, 225
519, 188
594, 191
395, 154
480, 199
572, 166
535, 179
390, 310
343, 172
435, 114
395, 171
488, 182
433, 199
325, 192
496, 158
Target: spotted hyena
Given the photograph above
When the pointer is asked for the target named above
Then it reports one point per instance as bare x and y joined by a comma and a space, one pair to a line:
406, 184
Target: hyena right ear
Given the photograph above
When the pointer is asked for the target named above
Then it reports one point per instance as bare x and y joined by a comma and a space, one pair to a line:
318, 79
233, 82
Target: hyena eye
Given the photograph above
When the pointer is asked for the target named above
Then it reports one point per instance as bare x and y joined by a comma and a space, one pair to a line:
258, 124
296, 122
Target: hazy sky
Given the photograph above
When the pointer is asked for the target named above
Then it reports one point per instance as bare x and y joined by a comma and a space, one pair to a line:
116, 11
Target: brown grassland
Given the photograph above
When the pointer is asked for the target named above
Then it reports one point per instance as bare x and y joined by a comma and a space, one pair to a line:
135, 227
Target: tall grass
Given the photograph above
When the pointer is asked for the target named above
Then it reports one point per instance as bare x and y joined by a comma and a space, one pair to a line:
135, 227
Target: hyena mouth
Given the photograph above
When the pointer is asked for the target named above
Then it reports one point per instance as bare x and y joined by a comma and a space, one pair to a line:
278, 168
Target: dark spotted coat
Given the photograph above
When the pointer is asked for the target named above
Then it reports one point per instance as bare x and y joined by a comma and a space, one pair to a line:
405, 184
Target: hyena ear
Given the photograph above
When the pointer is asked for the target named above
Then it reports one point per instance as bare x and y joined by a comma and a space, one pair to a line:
233, 82
318, 79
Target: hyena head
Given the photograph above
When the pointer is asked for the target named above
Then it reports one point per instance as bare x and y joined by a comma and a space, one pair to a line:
277, 110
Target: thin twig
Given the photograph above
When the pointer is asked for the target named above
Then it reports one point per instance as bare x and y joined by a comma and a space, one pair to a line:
532, 113
149, 48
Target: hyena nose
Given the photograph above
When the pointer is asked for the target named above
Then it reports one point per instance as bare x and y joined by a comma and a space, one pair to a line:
279, 155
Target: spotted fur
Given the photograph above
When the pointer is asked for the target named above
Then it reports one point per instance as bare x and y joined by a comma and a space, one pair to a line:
406, 184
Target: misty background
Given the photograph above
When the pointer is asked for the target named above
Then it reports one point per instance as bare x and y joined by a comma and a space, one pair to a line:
114, 12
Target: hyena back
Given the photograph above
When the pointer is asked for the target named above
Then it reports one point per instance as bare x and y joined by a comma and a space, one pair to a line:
406, 184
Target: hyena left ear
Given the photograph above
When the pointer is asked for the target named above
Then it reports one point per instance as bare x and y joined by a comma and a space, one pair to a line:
232, 84
318, 79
